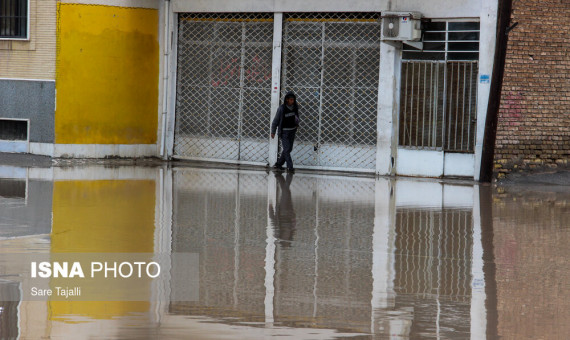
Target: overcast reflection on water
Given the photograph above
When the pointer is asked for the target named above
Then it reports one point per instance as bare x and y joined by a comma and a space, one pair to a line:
302, 256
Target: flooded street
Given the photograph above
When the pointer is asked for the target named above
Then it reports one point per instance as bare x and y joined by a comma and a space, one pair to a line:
265, 255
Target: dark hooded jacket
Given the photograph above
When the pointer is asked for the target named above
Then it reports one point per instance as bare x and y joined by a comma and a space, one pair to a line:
283, 114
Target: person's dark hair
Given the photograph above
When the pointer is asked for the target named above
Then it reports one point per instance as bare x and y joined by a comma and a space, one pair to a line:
290, 94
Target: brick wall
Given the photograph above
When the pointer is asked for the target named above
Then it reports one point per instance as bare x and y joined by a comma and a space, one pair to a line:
533, 129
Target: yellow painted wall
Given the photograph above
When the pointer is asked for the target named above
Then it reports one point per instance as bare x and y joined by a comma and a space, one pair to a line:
107, 75
102, 217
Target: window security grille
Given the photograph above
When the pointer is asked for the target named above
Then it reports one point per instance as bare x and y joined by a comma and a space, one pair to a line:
14, 19
438, 98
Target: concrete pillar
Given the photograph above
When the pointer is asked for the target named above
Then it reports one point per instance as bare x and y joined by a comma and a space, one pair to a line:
387, 121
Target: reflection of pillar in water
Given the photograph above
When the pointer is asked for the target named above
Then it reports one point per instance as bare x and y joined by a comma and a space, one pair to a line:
161, 287
236, 243
478, 296
383, 270
315, 284
270, 254
485, 199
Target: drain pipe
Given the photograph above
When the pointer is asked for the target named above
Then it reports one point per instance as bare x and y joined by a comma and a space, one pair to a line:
165, 78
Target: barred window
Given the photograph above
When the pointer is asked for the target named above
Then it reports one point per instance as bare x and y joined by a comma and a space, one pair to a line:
14, 19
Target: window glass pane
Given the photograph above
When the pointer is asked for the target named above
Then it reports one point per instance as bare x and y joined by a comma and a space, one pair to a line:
434, 26
431, 36
462, 56
463, 35
13, 129
434, 46
463, 26
464, 46
423, 55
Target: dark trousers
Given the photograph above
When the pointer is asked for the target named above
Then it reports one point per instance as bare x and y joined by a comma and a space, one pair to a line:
287, 139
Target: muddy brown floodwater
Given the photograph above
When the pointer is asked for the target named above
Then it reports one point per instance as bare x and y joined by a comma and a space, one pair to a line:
267, 255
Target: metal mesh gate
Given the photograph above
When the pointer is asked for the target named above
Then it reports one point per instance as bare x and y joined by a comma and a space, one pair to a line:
438, 106
223, 86
438, 100
332, 62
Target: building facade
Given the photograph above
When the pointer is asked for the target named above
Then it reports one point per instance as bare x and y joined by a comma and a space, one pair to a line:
367, 104
27, 75
79, 78
192, 80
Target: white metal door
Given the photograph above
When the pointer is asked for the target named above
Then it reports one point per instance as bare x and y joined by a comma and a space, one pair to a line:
438, 100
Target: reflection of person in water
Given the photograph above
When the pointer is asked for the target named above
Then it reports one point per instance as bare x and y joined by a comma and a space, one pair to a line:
283, 216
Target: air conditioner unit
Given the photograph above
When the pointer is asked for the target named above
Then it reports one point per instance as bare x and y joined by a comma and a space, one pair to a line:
401, 26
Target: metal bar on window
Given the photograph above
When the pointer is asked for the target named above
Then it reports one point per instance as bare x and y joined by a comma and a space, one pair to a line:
463, 105
456, 115
430, 108
436, 104
418, 104
470, 103
449, 101
412, 104
424, 105
405, 125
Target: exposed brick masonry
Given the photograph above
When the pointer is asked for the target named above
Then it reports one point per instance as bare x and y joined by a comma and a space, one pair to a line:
533, 129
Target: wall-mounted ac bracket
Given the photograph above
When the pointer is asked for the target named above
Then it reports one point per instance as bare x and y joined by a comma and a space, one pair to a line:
417, 44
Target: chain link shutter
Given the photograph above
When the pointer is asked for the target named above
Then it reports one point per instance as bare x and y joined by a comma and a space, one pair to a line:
224, 86
331, 62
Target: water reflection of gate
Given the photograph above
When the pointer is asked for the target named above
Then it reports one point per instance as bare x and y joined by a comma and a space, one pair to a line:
391, 264
433, 267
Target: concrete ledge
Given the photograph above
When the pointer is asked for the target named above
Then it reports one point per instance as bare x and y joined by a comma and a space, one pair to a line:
25, 160
104, 150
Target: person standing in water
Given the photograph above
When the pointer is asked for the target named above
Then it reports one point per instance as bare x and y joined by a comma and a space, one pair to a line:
285, 124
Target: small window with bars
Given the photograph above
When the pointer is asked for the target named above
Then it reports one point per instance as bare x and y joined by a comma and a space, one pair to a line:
14, 19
